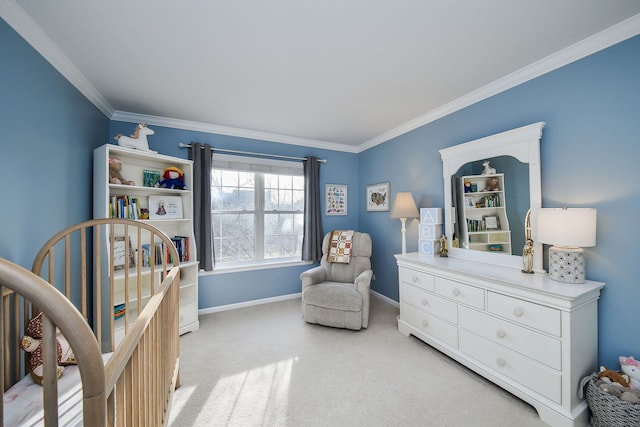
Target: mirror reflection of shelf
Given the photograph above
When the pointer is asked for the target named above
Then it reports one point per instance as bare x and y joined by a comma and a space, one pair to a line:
484, 214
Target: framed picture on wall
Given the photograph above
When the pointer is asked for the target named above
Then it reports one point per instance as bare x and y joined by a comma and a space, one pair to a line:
335, 199
378, 197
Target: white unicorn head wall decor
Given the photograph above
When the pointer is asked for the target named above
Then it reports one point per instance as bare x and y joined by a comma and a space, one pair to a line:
137, 140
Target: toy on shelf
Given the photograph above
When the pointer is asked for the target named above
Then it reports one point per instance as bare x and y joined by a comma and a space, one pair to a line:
137, 140
173, 177
493, 184
115, 177
488, 170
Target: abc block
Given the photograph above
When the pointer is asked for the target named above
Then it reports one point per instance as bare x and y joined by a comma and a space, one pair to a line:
429, 231
428, 247
431, 215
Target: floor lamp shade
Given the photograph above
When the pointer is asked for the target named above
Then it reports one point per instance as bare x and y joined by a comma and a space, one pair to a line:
404, 207
568, 230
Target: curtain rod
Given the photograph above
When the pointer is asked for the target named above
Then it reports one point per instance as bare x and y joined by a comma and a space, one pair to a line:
222, 150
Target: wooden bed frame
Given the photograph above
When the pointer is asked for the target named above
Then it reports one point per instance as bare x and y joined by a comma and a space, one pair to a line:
75, 293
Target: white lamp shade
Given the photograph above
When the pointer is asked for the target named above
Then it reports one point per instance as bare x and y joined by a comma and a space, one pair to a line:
570, 227
404, 206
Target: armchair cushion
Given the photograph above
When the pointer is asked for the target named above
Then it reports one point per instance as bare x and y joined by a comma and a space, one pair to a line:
334, 295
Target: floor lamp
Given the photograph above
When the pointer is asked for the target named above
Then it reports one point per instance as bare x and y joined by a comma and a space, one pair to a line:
404, 207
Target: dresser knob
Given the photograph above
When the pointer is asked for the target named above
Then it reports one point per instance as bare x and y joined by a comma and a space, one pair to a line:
500, 333
424, 301
425, 323
456, 292
500, 362
415, 279
518, 311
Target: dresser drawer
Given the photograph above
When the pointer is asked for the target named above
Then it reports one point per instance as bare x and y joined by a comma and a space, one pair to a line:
537, 316
465, 294
531, 344
430, 325
429, 303
536, 377
416, 278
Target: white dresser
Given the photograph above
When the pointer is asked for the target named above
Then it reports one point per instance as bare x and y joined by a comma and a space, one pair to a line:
534, 337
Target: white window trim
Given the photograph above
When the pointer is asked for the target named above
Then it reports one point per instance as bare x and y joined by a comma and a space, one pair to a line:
236, 268
261, 165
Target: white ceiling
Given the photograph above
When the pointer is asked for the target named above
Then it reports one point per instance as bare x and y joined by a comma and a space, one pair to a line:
344, 74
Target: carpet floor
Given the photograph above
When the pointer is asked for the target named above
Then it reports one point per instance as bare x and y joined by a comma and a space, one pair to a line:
264, 366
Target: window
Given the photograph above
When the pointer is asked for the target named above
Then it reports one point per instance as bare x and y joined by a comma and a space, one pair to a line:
257, 209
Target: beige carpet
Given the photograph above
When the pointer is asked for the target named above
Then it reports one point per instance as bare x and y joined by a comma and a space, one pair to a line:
264, 366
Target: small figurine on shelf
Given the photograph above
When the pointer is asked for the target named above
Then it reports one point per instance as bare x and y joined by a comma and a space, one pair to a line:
115, 177
492, 184
172, 178
137, 140
444, 250
488, 170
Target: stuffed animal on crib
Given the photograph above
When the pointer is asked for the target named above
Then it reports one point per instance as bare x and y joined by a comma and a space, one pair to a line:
631, 367
115, 177
31, 343
172, 178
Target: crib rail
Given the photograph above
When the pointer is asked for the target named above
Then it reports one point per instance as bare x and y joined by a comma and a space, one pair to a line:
96, 266
58, 312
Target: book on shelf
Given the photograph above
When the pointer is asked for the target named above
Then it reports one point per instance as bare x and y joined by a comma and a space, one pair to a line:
159, 251
122, 206
182, 247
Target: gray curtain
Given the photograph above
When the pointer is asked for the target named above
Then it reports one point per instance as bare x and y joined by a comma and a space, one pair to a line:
312, 240
201, 156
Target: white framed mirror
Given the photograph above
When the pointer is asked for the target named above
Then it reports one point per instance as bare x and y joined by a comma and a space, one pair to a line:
521, 144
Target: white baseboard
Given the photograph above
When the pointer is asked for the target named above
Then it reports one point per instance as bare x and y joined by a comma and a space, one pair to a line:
220, 308
384, 298
251, 303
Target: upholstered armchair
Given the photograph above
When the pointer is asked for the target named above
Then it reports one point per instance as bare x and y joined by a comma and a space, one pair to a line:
336, 293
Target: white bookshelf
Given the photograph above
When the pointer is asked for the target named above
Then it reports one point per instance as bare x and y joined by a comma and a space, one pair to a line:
134, 163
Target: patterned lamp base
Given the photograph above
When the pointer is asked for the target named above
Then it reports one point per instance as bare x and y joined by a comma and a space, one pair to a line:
566, 264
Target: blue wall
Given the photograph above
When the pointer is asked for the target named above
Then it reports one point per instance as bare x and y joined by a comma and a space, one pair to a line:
49, 130
230, 288
589, 154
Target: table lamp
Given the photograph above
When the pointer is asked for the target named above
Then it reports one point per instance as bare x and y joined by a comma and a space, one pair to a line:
404, 207
568, 230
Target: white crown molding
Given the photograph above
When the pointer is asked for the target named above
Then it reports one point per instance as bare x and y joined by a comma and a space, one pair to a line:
22, 23
15, 16
599, 41
229, 131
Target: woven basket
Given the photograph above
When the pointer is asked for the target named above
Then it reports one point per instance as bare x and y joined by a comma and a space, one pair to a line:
608, 410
